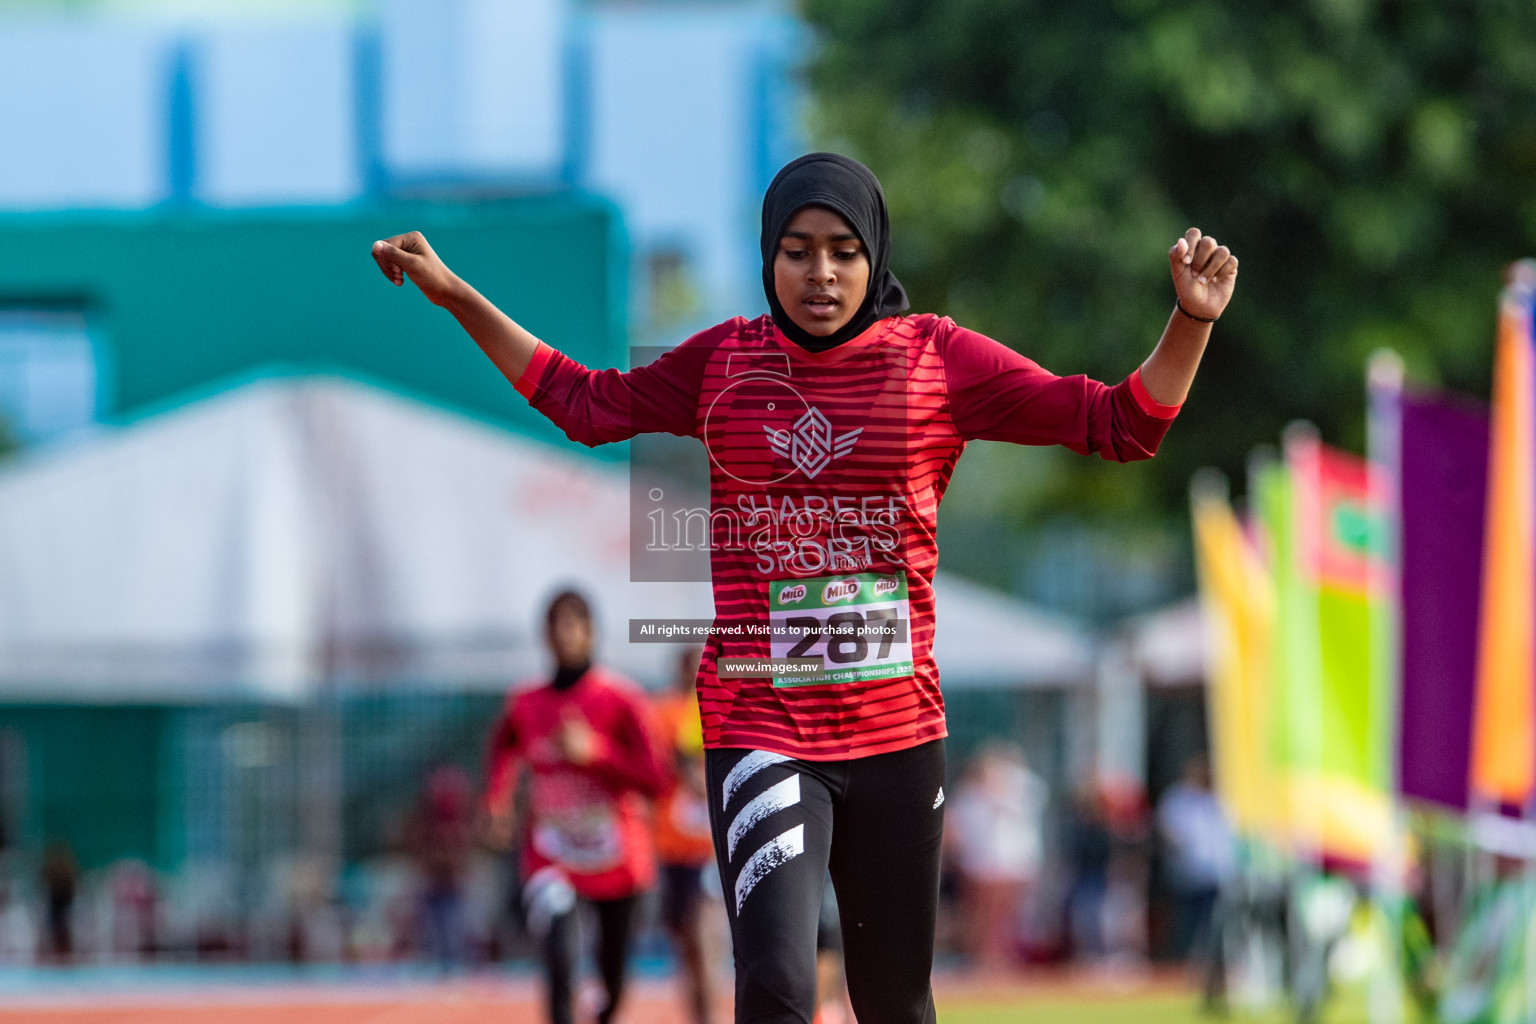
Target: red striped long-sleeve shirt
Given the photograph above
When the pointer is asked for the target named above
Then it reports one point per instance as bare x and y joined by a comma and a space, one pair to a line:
826, 474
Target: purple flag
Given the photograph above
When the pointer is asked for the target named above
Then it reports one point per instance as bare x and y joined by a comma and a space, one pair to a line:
1444, 490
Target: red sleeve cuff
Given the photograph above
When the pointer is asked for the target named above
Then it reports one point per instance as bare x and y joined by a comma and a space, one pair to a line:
1146, 403
528, 383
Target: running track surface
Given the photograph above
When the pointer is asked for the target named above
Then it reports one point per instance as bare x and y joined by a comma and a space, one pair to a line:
472, 1001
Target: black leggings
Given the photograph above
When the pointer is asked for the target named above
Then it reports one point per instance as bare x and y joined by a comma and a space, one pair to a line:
614, 920
876, 823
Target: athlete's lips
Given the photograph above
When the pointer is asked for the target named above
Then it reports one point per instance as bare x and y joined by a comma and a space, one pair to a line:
821, 304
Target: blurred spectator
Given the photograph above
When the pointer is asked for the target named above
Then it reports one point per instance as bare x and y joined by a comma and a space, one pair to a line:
61, 880
386, 925
316, 929
1199, 848
994, 831
486, 894
1090, 846
1125, 896
204, 910
440, 843
684, 846
18, 934
135, 902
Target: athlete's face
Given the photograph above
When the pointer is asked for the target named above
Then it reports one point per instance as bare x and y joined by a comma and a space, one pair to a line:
570, 639
821, 271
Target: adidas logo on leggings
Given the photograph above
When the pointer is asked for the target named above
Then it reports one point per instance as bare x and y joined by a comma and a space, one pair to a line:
778, 850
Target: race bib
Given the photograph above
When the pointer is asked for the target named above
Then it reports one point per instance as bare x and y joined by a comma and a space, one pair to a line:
857, 624
582, 839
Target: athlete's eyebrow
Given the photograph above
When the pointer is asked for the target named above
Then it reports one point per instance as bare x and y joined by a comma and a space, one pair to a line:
807, 236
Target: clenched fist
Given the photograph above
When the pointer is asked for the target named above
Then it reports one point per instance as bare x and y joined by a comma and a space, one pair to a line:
1204, 274
409, 255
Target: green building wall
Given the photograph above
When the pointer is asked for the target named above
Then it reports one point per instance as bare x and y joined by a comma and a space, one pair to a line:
92, 778
180, 300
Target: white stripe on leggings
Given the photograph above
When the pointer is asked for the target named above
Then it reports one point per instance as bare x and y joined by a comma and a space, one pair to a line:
774, 798
746, 768
781, 849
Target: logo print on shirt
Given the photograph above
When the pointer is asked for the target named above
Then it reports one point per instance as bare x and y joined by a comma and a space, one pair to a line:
810, 445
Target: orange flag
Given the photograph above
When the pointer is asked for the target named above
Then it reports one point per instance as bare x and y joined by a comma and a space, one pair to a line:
1504, 726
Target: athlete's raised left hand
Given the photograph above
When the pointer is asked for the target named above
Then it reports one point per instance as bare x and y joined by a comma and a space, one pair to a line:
1204, 274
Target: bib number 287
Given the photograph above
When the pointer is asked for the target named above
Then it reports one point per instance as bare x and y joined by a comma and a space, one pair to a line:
858, 625
847, 635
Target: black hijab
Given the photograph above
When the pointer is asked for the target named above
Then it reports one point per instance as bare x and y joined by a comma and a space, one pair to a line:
852, 191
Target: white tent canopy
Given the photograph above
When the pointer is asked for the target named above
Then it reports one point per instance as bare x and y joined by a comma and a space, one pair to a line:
985, 638
294, 530
1168, 646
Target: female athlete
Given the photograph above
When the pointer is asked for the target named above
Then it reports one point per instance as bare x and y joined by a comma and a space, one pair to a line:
833, 424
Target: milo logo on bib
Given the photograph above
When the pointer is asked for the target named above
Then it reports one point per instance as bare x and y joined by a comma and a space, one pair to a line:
840, 590
857, 624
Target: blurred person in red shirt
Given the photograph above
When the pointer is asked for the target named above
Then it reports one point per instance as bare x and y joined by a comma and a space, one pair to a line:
585, 740
684, 844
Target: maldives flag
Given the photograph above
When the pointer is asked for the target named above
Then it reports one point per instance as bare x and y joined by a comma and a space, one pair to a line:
1342, 545
1333, 581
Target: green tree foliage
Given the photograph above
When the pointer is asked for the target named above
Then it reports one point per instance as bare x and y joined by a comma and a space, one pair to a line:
1372, 163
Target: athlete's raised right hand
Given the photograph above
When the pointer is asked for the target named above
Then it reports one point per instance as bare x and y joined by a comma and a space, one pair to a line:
409, 255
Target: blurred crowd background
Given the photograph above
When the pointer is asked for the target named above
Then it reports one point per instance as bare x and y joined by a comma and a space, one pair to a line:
275, 538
